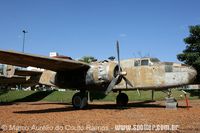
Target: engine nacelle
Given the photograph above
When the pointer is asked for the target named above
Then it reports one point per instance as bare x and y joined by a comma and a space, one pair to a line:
101, 72
7, 70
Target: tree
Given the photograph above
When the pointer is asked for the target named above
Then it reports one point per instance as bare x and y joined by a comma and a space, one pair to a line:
87, 59
191, 55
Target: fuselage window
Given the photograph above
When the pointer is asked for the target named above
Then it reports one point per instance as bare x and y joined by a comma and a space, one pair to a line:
137, 63
144, 62
168, 68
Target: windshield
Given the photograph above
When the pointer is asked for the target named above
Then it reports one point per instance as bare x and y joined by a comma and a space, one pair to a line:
154, 60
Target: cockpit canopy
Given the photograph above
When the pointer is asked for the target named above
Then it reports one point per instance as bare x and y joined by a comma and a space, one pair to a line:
146, 61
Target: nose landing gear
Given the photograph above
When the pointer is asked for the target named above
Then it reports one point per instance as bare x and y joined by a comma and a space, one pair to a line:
122, 100
171, 102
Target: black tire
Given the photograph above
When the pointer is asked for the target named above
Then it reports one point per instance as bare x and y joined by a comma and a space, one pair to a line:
122, 99
77, 100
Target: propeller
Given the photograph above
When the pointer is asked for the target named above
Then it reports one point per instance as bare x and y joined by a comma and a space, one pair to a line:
120, 74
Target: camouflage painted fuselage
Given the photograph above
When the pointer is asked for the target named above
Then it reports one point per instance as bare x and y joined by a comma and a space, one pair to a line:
143, 73
149, 73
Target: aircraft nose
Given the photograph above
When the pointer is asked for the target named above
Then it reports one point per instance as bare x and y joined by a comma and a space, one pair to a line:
192, 73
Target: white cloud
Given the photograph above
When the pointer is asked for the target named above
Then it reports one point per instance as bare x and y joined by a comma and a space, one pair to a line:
123, 35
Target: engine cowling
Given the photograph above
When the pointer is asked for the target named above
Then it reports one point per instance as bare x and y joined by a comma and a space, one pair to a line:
7, 70
101, 72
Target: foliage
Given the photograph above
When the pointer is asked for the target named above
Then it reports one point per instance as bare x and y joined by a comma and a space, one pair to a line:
87, 59
191, 55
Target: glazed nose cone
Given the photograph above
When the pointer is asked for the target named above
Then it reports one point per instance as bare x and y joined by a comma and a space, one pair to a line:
192, 73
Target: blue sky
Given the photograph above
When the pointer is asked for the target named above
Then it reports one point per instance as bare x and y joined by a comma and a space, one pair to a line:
91, 27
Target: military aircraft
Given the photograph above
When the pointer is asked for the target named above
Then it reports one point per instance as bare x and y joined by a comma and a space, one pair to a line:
104, 76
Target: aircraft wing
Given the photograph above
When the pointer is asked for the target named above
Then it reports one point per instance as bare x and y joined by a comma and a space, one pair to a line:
54, 64
27, 72
13, 80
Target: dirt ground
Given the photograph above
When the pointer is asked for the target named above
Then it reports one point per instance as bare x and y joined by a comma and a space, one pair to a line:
99, 117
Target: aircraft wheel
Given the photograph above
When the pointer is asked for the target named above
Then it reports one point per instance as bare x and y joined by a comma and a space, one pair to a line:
79, 100
122, 99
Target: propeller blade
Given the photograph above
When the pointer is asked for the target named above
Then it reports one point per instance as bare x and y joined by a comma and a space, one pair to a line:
118, 56
119, 75
127, 81
112, 84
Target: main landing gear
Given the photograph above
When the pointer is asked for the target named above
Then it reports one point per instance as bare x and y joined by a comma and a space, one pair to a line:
80, 100
122, 99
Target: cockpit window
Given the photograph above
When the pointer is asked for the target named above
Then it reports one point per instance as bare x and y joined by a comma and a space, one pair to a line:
168, 68
137, 63
144, 62
154, 60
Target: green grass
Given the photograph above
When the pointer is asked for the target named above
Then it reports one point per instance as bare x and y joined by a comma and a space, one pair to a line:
56, 96
11, 96
59, 96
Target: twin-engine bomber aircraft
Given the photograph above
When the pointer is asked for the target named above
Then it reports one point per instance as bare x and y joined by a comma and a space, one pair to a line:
104, 76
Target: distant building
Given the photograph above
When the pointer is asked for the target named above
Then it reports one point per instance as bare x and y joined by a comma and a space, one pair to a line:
53, 54
34, 69
191, 87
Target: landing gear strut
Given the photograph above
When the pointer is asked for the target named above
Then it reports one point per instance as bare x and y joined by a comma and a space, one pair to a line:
169, 93
122, 99
79, 100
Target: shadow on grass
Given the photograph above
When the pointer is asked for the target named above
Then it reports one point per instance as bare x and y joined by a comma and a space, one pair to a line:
4, 91
37, 96
144, 104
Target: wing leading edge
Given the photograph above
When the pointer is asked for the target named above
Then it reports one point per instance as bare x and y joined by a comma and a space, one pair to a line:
54, 64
